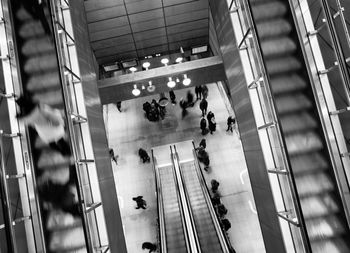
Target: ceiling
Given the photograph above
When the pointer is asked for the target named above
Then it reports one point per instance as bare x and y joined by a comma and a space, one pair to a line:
126, 29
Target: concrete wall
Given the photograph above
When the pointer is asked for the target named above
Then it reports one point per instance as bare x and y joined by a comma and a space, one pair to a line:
249, 136
97, 129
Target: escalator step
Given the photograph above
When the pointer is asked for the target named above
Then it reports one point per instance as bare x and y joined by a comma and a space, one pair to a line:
60, 176
59, 220
314, 184
52, 98
37, 46
31, 29
292, 103
41, 63
308, 163
298, 122
62, 240
44, 82
287, 84
302, 143
325, 227
334, 245
321, 205
278, 46
273, 28
266, 11
283, 65
50, 159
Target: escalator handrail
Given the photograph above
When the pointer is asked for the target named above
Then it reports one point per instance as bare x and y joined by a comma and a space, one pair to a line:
190, 225
282, 141
160, 207
71, 133
224, 241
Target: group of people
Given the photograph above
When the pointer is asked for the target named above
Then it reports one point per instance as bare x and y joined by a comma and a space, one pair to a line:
154, 111
211, 123
201, 91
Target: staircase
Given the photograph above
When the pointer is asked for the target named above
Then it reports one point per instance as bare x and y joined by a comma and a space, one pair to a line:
321, 206
55, 174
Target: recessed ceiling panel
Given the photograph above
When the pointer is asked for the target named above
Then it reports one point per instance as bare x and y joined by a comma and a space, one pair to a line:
93, 5
114, 50
150, 34
144, 5
126, 39
176, 29
152, 50
186, 17
151, 42
183, 8
187, 35
112, 12
175, 2
148, 25
199, 41
145, 16
108, 24
118, 31
118, 57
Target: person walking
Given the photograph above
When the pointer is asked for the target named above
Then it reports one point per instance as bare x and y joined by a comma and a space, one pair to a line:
119, 106
183, 104
203, 105
205, 91
172, 97
47, 122
144, 156
212, 125
203, 144
214, 185
140, 202
203, 126
210, 115
230, 123
113, 157
198, 91
190, 101
150, 246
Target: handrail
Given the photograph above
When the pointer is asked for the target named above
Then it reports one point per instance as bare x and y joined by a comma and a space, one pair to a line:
160, 207
192, 233
281, 139
70, 127
224, 240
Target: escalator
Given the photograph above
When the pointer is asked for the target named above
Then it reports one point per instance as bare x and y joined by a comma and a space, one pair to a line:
175, 238
55, 173
203, 219
310, 164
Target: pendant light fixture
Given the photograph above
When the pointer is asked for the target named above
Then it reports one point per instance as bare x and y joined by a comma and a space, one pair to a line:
171, 83
136, 92
165, 61
186, 81
150, 87
146, 65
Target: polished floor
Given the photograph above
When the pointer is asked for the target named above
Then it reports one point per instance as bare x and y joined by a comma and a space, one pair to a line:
129, 130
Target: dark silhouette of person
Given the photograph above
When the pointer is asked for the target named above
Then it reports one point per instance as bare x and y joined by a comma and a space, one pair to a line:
203, 126
230, 123
222, 210
203, 144
148, 245
172, 97
214, 185
140, 202
226, 224
210, 115
113, 157
183, 104
190, 100
198, 91
203, 105
216, 199
212, 125
144, 156
119, 106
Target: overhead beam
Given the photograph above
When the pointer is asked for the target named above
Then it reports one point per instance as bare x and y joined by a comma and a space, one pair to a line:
200, 71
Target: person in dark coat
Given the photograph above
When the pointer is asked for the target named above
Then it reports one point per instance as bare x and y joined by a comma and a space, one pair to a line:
205, 91
119, 106
183, 104
214, 185
222, 210
144, 156
203, 144
203, 126
212, 125
190, 101
203, 105
198, 91
148, 245
216, 199
172, 97
226, 224
113, 157
140, 202
210, 115
230, 123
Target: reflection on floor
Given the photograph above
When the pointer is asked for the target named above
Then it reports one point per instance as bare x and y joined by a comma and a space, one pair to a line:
129, 130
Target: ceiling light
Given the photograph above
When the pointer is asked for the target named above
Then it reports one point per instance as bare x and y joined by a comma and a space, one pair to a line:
179, 59
186, 80
171, 83
132, 69
143, 87
136, 91
146, 65
165, 61
151, 87
177, 80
